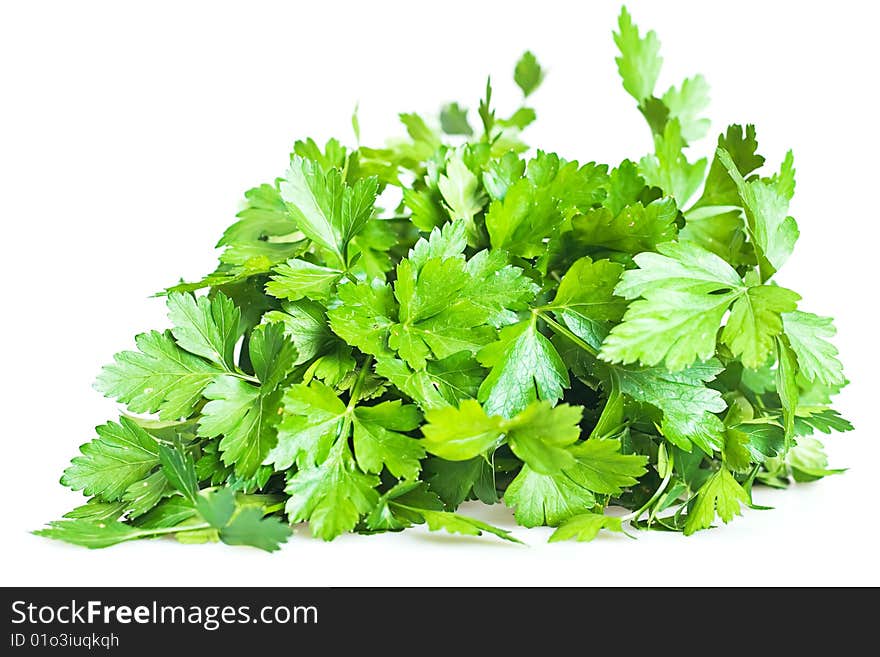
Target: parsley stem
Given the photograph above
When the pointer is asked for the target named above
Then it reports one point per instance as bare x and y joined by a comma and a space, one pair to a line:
173, 530
359, 383
353, 398
564, 330
245, 377
635, 515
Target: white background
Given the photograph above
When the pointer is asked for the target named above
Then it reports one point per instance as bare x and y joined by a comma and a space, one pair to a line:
130, 131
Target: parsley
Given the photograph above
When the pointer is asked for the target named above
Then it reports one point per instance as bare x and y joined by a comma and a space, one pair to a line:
562, 337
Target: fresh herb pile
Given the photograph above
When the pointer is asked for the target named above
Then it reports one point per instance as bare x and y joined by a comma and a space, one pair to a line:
528, 330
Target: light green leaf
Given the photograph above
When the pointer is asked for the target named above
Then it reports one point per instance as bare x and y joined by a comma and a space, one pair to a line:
459, 434
365, 316
808, 461
585, 300
686, 402
816, 357
378, 443
310, 426
773, 232
97, 510
742, 147
541, 434
205, 327
755, 320
158, 377
528, 74
639, 62
686, 292
497, 288
585, 527
245, 418
525, 367
669, 168
520, 223
604, 469
671, 326
326, 209
547, 499
458, 524
460, 189
272, 355
443, 382
306, 326
454, 121
179, 470
722, 492
420, 133
635, 229
681, 267
448, 305
786, 385
120, 456
296, 279
625, 186
143, 495
686, 103
332, 496
92, 534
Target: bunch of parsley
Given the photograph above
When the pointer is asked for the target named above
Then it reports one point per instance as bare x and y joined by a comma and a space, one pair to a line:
556, 336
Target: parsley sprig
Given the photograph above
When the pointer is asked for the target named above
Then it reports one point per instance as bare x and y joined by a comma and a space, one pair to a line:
519, 328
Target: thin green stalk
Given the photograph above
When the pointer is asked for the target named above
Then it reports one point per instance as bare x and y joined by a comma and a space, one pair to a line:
635, 515
355, 396
173, 530
245, 377
564, 330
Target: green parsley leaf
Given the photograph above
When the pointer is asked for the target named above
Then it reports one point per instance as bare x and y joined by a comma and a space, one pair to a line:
585, 527
721, 493
326, 209
460, 189
669, 168
700, 287
454, 121
688, 406
458, 434
458, 524
635, 229
585, 300
122, 454
299, 278
378, 443
331, 496
639, 62
241, 525
443, 382
180, 470
158, 377
528, 74
686, 103
604, 469
817, 358
525, 367
90, 533
766, 205
205, 327
527, 215
548, 499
